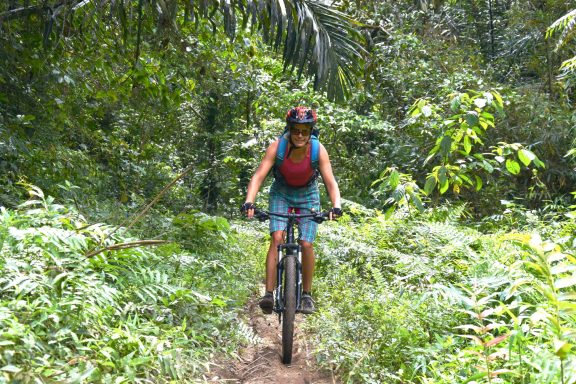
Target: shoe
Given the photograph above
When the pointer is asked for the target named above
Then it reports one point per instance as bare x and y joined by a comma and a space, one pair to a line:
267, 303
307, 304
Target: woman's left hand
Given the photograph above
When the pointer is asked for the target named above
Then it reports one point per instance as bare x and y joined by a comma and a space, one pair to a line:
334, 213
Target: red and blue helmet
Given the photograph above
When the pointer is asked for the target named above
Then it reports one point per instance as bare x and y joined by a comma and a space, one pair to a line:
301, 115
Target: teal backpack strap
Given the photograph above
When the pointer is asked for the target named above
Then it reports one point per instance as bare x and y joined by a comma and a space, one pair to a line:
314, 152
281, 151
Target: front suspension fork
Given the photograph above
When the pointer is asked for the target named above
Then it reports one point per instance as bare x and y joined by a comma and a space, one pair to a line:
287, 250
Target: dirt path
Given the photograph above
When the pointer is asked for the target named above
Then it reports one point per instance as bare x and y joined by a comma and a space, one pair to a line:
262, 363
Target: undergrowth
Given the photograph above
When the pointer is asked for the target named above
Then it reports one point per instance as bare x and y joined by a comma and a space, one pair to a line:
427, 299
132, 315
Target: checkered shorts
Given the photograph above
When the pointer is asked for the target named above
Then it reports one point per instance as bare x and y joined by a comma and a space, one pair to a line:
283, 197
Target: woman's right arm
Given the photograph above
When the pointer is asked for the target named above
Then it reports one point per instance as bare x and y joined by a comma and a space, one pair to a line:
261, 172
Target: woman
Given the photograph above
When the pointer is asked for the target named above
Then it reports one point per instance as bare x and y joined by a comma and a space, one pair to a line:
294, 186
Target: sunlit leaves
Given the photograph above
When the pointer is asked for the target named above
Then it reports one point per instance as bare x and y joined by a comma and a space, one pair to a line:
526, 156
398, 190
460, 139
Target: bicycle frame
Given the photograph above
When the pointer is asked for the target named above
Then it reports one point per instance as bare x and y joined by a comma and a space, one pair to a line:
289, 249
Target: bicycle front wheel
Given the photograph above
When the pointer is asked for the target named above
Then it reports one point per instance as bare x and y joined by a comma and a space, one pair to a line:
289, 308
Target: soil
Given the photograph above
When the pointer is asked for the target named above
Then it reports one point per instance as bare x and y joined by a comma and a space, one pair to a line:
262, 363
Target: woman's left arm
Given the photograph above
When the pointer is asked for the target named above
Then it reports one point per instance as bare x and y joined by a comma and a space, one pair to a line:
328, 177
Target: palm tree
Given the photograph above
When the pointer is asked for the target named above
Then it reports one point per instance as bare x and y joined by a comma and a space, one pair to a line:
317, 40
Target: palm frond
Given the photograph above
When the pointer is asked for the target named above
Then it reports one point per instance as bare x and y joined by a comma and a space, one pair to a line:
325, 44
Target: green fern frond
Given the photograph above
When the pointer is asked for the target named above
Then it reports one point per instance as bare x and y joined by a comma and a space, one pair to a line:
247, 334
569, 65
448, 233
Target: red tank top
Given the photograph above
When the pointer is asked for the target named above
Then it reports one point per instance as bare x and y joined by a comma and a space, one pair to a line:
297, 174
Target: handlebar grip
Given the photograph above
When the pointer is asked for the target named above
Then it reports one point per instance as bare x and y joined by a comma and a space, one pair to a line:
261, 215
321, 217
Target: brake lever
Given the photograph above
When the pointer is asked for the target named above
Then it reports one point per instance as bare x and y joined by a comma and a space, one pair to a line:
320, 218
262, 216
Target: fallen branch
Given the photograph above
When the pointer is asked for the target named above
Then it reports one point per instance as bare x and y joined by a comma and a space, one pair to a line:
132, 244
22, 12
138, 215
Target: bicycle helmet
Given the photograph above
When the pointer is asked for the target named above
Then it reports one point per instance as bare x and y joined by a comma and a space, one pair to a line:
301, 115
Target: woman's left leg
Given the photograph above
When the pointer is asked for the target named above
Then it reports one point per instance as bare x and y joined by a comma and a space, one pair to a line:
307, 265
307, 304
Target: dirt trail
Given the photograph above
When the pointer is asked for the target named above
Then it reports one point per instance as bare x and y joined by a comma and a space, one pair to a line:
262, 363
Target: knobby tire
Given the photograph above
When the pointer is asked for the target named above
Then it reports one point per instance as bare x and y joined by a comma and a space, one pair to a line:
289, 308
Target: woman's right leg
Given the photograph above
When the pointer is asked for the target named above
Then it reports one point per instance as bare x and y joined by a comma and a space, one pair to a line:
276, 239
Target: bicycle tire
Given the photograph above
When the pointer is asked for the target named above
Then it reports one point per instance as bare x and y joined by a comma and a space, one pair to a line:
289, 308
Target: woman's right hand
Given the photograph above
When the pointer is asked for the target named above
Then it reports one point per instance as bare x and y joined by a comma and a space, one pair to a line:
248, 209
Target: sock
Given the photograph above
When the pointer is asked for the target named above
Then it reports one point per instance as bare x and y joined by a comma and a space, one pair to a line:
307, 293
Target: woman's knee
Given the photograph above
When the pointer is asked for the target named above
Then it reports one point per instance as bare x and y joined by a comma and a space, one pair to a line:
306, 244
277, 237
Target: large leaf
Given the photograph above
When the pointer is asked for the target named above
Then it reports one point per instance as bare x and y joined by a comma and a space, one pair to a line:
320, 38
512, 166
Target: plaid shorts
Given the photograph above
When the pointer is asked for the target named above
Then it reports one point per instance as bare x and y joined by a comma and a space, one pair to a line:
283, 197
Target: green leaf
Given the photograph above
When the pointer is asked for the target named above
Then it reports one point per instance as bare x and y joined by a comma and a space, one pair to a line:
444, 186
565, 282
416, 201
475, 377
430, 185
11, 369
445, 145
467, 144
472, 118
442, 175
526, 156
478, 182
394, 179
538, 163
487, 166
498, 102
562, 348
139, 361
512, 166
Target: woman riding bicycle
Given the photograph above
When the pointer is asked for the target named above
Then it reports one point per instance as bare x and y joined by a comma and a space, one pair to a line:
294, 187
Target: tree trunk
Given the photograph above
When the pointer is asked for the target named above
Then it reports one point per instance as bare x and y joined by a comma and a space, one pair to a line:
210, 190
491, 13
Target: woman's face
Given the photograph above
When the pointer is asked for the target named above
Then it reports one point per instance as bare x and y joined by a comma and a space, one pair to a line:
300, 134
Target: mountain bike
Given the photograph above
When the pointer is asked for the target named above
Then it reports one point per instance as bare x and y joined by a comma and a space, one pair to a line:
288, 292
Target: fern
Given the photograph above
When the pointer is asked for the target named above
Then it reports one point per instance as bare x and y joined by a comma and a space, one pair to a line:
68, 318
247, 333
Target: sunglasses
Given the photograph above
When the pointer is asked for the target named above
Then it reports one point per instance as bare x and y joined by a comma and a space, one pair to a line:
303, 132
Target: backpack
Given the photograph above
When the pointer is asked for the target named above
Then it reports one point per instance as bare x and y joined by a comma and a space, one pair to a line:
314, 155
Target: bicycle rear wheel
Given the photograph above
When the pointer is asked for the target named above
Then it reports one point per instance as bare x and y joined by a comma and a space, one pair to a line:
289, 308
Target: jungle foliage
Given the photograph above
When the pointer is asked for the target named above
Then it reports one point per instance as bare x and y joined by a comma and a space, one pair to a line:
451, 129
69, 314
425, 299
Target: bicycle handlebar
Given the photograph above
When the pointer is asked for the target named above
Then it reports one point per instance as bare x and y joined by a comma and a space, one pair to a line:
318, 217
